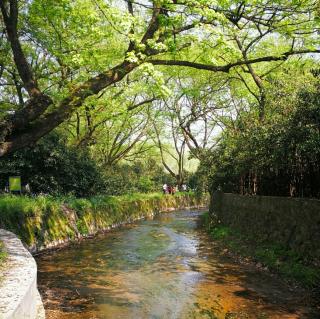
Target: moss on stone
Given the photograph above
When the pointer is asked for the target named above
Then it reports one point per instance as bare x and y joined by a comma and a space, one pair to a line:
3, 257
3, 253
44, 221
278, 258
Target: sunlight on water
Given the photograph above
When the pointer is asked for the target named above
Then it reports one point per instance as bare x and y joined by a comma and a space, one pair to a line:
160, 268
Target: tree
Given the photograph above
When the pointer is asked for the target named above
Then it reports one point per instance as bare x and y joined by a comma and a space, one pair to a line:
55, 168
123, 138
112, 132
173, 156
51, 75
280, 155
194, 108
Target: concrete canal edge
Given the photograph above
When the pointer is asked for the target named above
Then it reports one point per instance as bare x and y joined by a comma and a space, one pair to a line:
19, 295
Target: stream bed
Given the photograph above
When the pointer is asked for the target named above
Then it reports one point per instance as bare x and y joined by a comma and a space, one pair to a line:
165, 267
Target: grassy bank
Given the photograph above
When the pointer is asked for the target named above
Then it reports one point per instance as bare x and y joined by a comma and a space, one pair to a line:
3, 257
3, 254
277, 258
45, 221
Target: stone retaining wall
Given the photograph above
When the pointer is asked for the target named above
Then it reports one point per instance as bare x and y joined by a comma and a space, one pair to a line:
44, 223
19, 296
294, 223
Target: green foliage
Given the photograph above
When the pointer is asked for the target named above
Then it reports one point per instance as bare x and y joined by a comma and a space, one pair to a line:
199, 180
220, 232
275, 257
42, 220
288, 263
54, 168
3, 255
82, 227
278, 155
144, 177
24, 215
109, 116
70, 42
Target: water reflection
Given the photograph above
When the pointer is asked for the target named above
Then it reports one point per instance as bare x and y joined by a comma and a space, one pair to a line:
160, 268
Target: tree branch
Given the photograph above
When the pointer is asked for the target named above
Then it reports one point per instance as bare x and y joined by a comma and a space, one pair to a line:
227, 67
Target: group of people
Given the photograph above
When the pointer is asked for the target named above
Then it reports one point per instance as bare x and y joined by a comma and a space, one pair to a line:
168, 189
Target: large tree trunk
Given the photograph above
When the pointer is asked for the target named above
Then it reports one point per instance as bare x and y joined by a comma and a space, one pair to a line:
17, 136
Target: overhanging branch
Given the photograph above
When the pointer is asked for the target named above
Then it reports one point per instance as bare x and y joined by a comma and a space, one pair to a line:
227, 67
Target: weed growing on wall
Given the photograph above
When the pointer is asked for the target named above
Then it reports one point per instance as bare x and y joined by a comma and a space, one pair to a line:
48, 221
277, 258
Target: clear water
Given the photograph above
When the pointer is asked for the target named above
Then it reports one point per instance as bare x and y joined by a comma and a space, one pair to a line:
160, 268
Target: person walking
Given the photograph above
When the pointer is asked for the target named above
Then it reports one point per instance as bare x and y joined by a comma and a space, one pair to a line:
165, 188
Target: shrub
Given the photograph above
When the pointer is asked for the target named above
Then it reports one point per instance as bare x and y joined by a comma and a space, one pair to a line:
52, 167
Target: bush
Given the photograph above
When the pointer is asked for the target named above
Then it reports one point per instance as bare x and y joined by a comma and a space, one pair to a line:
52, 167
143, 177
278, 156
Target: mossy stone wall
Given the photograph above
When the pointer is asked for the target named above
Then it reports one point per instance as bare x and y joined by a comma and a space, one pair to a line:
46, 222
293, 223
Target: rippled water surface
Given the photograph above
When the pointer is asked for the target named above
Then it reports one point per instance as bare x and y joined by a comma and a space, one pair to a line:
160, 268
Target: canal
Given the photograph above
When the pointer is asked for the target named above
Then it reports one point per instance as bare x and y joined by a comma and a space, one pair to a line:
165, 267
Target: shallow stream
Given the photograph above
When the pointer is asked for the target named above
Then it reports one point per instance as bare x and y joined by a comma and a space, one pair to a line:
164, 267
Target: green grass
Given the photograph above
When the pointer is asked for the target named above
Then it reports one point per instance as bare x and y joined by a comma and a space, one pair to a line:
41, 220
3, 257
220, 232
288, 263
3, 254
